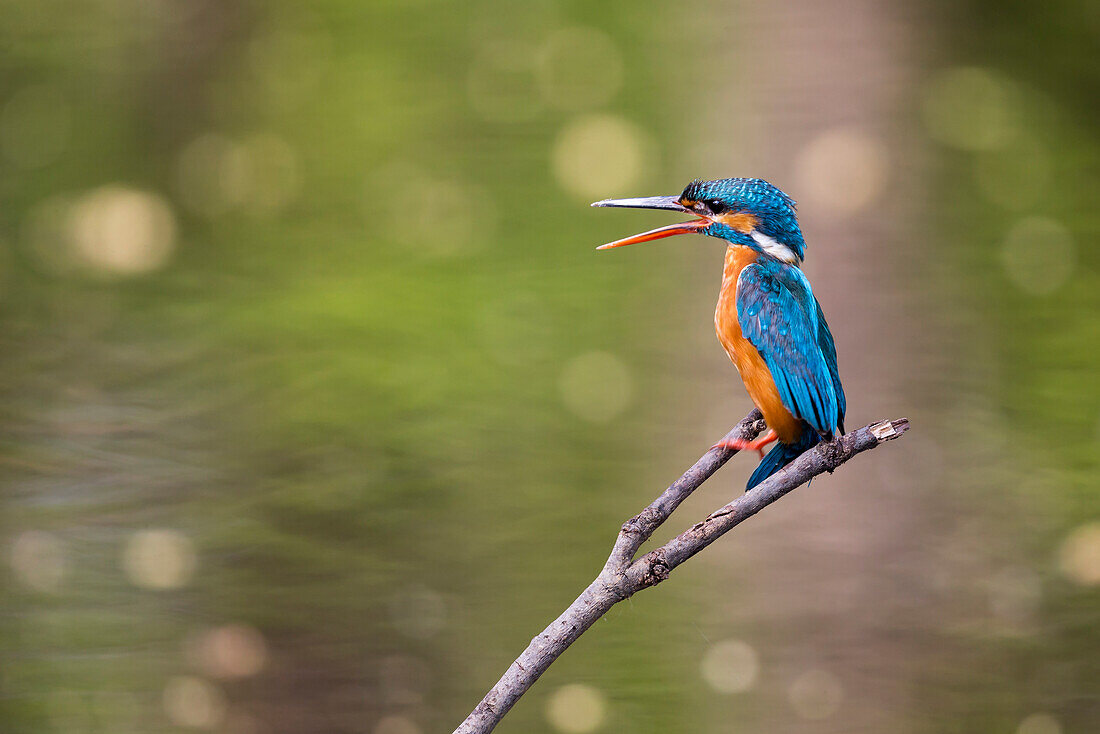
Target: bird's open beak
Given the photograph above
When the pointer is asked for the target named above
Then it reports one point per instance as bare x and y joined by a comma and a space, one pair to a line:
654, 202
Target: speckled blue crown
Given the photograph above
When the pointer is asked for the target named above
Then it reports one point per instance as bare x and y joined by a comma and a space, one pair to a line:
774, 209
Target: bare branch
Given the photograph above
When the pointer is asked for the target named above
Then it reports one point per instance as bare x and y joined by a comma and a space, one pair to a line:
622, 576
638, 529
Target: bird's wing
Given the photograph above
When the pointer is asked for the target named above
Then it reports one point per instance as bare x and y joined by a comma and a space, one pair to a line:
778, 315
828, 350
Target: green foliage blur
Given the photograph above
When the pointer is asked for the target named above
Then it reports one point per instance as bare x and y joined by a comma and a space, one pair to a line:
318, 404
1019, 236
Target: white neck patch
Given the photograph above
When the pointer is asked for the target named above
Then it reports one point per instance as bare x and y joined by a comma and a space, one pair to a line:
774, 248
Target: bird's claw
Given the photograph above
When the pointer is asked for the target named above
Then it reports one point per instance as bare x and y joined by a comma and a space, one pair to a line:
741, 444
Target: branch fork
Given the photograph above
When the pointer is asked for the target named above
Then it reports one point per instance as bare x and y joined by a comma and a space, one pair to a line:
622, 575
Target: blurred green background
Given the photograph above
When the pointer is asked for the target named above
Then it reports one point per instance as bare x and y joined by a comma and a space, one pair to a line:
318, 403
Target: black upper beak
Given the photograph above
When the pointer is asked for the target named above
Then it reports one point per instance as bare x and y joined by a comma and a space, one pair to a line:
655, 202
646, 202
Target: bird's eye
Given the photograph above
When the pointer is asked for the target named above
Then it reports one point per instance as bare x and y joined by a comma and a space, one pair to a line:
716, 207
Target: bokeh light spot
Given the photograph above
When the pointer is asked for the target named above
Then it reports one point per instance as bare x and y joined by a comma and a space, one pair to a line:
230, 651
449, 217
599, 156
38, 559
159, 559
453, 219
275, 177
971, 108
34, 126
418, 612
396, 725
816, 694
579, 68
1016, 176
405, 680
842, 170
122, 231
193, 703
596, 386
1038, 255
216, 174
730, 666
576, 708
1039, 724
212, 172
1079, 555
291, 60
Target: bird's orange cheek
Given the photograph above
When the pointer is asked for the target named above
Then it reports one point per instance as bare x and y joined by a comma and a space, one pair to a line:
742, 222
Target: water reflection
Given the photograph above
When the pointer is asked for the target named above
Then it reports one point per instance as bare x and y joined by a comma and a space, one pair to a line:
579, 68
1038, 255
318, 402
35, 125
816, 694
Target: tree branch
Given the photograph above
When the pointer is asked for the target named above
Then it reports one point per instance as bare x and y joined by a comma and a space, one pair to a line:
638, 529
622, 576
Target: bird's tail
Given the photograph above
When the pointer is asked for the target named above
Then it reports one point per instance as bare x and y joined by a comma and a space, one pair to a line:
781, 455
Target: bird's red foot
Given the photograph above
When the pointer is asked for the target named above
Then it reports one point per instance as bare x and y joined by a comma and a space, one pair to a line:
740, 444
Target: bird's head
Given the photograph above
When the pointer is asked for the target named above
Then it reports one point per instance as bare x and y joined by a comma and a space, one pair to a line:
742, 211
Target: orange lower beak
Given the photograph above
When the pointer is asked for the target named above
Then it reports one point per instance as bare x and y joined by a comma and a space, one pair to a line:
671, 203
659, 233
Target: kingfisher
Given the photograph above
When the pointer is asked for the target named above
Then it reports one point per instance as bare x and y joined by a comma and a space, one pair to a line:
767, 319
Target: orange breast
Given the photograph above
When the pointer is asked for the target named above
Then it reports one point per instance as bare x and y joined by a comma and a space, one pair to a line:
754, 371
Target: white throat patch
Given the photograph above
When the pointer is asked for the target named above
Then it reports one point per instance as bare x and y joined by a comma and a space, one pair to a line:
774, 248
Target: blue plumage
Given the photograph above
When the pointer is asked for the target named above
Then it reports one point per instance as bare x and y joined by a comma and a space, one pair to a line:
828, 351
773, 208
779, 315
777, 310
781, 455
767, 318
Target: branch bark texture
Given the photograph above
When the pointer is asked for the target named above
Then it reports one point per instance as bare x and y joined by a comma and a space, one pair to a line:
624, 575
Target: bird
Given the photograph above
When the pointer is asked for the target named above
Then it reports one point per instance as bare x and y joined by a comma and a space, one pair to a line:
768, 319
